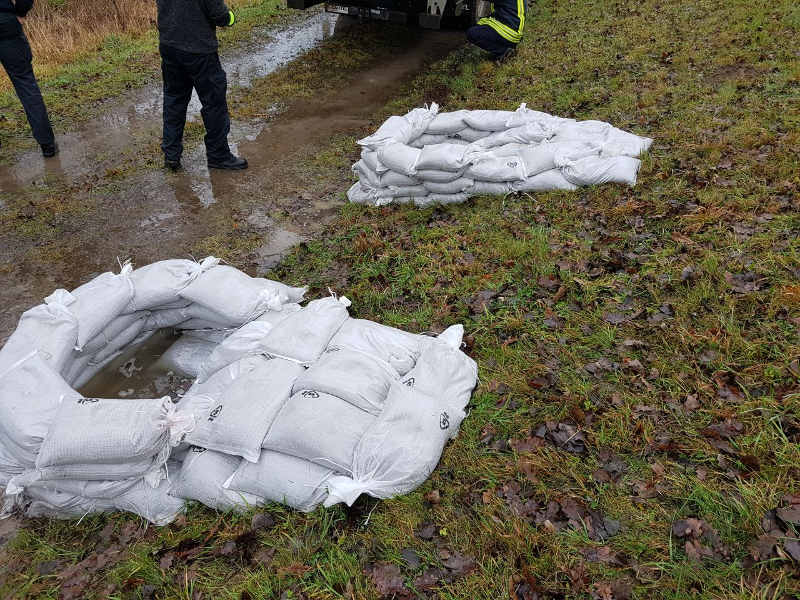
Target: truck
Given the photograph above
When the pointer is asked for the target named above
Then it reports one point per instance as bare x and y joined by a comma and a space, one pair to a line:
428, 14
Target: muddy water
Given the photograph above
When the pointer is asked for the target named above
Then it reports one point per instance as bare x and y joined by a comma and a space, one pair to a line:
157, 215
121, 123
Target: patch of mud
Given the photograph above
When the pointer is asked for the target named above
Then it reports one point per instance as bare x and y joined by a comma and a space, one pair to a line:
8, 528
157, 214
121, 123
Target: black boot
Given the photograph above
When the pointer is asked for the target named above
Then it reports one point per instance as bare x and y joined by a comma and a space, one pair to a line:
172, 165
233, 163
49, 150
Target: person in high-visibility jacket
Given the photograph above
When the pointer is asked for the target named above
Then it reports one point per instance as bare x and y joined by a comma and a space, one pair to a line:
189, 60
500, 33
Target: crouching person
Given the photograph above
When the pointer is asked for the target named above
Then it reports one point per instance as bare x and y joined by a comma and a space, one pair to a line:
500, 33
189, 60
16, 57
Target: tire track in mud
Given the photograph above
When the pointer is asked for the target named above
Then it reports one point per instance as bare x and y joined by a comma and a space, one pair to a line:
153, 214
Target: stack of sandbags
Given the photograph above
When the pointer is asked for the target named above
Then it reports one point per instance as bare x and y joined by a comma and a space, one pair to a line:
468, 153
296, 404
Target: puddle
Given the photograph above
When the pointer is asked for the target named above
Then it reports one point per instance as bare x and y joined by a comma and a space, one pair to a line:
137, 373
157, 214
112, 132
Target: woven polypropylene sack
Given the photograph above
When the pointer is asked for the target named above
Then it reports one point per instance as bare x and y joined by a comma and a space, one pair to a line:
545, 181
278, 477
353, 376
159, 283
186, 355
103, 430
597, 169
442, 157
153, 504
30, 395
398, 348
202, 477
50, 328
304, 335
237, 422
99, 301
400, 158
488, 120
320, 428
237, 296
447, 123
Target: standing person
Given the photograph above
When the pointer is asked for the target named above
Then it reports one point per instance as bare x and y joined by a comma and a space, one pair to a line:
189, 59
16, 57
500, 33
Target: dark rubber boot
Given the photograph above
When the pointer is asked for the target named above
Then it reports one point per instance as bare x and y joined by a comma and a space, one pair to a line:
234, 163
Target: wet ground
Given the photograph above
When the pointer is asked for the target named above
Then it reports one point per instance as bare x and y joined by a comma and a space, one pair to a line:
153, 214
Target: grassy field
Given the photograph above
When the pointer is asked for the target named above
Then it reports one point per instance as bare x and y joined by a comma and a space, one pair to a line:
85, 52
636, 430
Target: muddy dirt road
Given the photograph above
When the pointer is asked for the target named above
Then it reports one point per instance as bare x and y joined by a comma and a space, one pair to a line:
96, 202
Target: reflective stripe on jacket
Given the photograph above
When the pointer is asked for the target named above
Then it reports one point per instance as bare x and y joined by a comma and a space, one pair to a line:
508, 19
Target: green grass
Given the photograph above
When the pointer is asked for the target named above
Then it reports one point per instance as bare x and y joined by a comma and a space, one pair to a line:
716, 85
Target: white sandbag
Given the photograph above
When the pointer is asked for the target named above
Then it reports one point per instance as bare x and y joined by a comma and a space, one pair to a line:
394, 178
596, 132
442, 157
524, 115
55, 504
110, 431
278, 477
401, 190
399, 157
488, 120
370, 158
399, 451
543, 157
544, 182
364, 173
452, 187
186, 355
394, 129
439, 176
153, 504
50, 328
404, 444
489, 167
165, 319
9, 465
246, 341
435, 199
531, 133
447, 123
112, 331
30, 395
399, 349
159, 283
197, 324
202, 476
489, 188
595, 170
99, 301
623, 143
304, 335
121, 341
237, 421
105, 490
429, 138
468, 134
353, 376
319, 427
358, 194
237, 296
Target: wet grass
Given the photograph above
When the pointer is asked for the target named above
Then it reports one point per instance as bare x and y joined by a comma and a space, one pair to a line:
658, 324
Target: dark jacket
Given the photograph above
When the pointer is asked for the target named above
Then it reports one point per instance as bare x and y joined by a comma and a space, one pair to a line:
9, 11
508, 19
190, 25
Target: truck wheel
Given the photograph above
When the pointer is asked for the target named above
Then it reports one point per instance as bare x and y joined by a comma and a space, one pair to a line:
343, 23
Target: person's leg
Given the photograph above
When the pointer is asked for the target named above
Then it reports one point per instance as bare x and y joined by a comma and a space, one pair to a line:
16, 57
211, 84
177, 93
488, 39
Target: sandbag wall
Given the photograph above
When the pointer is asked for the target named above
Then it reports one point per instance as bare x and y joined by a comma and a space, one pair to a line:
427, 157
290, 403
